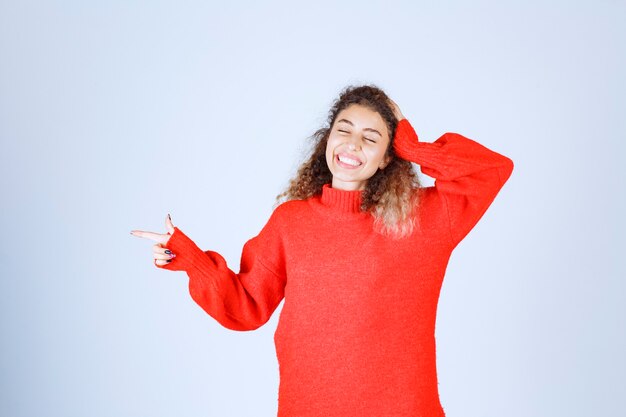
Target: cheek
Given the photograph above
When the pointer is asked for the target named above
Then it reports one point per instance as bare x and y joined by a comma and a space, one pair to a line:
331, 145
381, 152
376, 155
329, 154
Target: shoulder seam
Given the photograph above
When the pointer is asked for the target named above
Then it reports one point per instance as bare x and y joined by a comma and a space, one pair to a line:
445, 202
265, 264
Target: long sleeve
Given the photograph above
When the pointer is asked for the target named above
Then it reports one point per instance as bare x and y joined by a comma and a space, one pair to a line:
238, 301
468, 176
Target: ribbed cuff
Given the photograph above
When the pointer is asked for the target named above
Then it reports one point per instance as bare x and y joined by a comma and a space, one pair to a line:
186, 251
407, 146
405, 140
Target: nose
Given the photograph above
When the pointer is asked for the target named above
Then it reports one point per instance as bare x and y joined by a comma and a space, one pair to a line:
354, 143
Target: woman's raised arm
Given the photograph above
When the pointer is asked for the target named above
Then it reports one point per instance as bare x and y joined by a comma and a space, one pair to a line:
468, 176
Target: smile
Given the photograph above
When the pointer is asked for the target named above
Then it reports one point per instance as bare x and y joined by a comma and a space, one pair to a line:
346, 162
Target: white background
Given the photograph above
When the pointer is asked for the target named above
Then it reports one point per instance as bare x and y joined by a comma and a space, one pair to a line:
113, 114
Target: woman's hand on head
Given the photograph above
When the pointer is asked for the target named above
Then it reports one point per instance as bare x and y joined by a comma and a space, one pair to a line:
161, 254
396, 110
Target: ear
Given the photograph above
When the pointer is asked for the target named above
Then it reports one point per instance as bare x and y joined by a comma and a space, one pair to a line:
385, 162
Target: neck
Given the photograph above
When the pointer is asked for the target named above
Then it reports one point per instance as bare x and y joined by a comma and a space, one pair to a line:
347, 201
348, 185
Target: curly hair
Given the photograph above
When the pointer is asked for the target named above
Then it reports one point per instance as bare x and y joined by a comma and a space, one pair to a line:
390, 195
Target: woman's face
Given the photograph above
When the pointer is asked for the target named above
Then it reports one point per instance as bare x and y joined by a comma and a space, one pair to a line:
356, 147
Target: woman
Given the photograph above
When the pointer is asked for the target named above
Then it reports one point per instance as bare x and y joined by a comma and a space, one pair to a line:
358, 252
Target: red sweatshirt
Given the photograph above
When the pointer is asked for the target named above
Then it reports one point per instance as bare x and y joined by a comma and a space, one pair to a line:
356, 335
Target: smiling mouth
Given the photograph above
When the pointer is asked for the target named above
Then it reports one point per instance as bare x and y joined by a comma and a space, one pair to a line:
348, 162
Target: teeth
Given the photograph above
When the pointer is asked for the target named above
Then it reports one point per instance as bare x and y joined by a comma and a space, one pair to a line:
349, 161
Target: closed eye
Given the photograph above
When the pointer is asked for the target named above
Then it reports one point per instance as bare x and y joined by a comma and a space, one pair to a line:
368, 139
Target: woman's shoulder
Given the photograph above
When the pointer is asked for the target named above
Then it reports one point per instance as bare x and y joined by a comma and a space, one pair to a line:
430, 206
426, 196
291, 209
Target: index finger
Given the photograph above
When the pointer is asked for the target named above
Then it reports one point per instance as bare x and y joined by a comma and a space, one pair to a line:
157, 237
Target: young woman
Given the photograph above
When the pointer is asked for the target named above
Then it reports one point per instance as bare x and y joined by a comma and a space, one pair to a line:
358, 251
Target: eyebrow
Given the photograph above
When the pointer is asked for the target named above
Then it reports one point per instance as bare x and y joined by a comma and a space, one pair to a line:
367, 128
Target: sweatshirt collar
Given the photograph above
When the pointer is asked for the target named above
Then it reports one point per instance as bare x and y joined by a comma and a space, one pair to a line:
342, 200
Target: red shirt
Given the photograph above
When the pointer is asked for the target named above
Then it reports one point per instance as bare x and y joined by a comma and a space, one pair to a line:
356, 334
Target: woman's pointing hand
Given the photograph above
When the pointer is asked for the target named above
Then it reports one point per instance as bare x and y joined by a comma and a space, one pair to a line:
161, 254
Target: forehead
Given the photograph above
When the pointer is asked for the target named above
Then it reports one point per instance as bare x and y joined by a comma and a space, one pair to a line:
362, 118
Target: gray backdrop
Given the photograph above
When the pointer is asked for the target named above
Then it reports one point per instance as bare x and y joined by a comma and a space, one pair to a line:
113, 115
